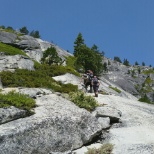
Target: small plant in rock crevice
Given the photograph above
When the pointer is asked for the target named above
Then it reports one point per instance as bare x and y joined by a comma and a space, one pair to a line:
18, 100
83, 101
115, 89
104, 149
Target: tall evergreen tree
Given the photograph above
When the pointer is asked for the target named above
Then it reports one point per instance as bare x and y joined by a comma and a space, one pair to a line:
87, 58
77, 44
95, 48
136, 63
143, 64
126, 62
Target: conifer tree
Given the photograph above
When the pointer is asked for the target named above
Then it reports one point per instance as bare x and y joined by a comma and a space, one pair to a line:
24, 30
143, 64
126, 62
117, 59
79, 42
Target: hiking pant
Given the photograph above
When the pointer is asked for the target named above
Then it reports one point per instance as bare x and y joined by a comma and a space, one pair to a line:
88, 84
95, 88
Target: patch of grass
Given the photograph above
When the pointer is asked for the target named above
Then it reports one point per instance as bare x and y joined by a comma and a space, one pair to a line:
70, 61
9, 30
83, 101
115, 89
104, 149
9, 50
145, 99
147, 72
34, 79
16, 99
55, 70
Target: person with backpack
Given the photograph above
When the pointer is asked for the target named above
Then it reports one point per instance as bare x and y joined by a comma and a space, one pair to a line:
86, 80
95, 83
89, 79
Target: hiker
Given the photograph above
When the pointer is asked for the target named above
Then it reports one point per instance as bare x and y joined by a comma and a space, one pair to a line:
95, 83
89, 79
86, 79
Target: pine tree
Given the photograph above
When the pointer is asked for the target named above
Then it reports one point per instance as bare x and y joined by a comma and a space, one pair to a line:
143, 64
77, 45
117, 59
136, 63
24, 30
126, 62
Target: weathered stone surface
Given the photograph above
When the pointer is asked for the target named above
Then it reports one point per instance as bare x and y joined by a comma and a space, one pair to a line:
11, 113
68, 78
105, 122
14, 62
34, 92
107, 111
8, 38
57, 126
27, 42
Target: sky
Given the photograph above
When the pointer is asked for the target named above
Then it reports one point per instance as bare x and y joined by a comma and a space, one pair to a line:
121, 28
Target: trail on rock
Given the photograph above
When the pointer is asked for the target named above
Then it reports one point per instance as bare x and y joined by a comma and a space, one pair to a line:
135, 135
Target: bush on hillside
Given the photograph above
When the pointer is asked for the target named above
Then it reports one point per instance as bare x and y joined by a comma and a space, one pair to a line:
115, 89
16, 99
34, 79
70, 61
83, 101
9, 50
145, 99
55, 70
104, 149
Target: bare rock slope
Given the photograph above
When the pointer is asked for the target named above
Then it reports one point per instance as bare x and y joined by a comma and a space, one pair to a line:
135, 133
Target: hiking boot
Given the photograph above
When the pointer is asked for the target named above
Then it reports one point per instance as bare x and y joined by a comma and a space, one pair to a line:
96, 95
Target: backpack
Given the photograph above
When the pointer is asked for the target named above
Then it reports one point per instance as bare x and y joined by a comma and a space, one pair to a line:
90, 77
95, 81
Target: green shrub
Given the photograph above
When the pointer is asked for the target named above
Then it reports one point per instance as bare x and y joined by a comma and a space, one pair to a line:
83, 101
115, 89
55, 70
9, 29
50, 56
70, 61
34, 79
9, 50
16, 99
104, 149
145, 99
147, 72
66, 88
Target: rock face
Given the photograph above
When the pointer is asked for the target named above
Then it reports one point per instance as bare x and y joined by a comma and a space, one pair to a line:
57, 126
13, 62
33, 47
6, 37
135, 133
10, 114
129, 78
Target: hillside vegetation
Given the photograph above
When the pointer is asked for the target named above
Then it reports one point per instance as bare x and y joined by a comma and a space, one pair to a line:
9, 50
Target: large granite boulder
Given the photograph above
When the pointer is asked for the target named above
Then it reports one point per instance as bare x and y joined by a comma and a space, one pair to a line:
6, 37
10, 114
11, 63
27, 42
106, 111
58, 126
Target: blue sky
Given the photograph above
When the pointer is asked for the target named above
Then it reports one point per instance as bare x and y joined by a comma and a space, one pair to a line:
123, 28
